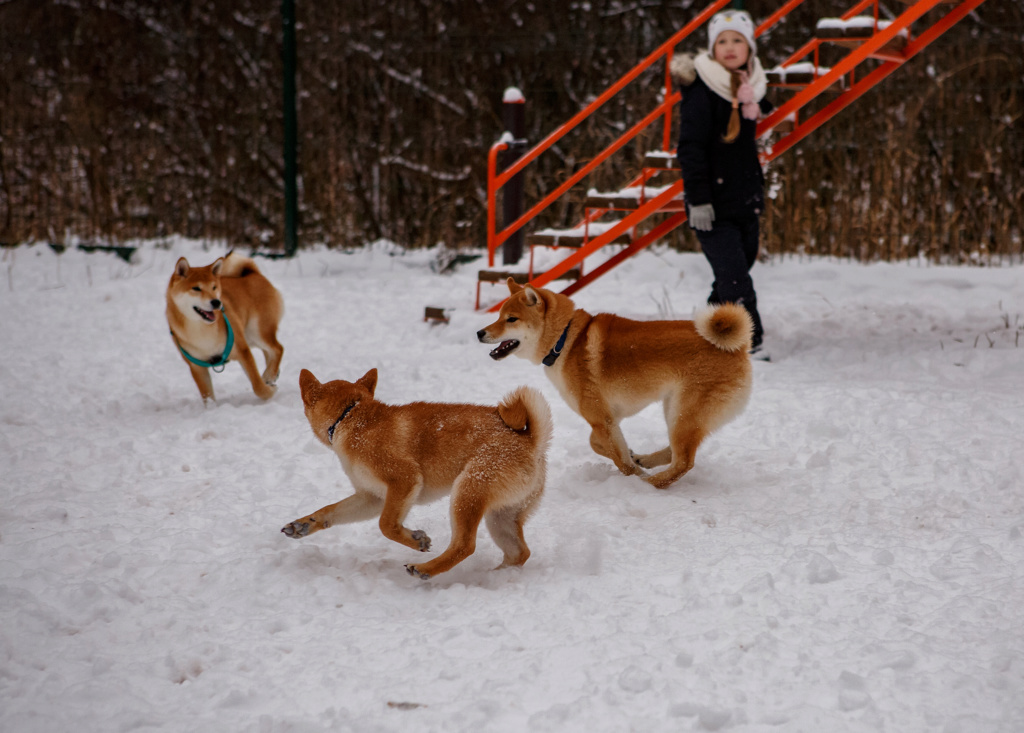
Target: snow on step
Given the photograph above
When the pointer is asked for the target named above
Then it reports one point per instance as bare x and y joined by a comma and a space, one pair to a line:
661, 159
592, 230
631, 192
856, 24
803, 69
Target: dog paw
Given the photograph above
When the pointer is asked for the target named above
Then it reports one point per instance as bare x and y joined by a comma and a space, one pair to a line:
266, 391
421, 537
302, 527
296, 529
413, 570
631, 469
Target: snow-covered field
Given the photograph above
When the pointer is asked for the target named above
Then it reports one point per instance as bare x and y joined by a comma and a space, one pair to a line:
846, 556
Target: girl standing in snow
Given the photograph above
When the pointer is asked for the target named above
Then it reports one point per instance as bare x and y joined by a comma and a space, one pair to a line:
723, 97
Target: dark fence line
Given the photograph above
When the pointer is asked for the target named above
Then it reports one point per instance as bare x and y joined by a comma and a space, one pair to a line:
123, 120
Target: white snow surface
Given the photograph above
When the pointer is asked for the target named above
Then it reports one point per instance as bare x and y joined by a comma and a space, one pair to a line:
636, 192
591, 229
803, 68
847, 555
856, 22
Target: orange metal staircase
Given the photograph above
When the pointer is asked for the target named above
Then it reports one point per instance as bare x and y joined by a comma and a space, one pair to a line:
885, 45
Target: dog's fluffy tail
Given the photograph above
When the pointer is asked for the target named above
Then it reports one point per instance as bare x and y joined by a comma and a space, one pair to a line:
727, 326
526, 409
236, 265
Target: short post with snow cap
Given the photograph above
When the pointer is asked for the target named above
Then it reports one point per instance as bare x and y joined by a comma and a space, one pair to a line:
514, 118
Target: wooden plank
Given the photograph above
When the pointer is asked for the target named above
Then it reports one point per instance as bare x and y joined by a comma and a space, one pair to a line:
573, 240
433, 313
894, 46
664, 160
851, 32
500, 276
627, 203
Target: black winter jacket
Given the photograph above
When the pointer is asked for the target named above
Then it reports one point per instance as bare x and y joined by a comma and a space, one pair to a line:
726, 175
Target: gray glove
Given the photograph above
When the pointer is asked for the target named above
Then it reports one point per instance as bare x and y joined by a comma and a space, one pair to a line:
701, 217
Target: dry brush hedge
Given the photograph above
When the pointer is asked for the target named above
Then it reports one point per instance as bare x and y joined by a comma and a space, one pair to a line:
124, 118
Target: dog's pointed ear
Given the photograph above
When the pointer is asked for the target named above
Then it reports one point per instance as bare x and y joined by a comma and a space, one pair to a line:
216, 266
181, 269
532, 296
513, 286
369, 381
310, 387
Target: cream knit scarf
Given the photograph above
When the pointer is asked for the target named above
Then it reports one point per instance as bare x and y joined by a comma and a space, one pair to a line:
718, 79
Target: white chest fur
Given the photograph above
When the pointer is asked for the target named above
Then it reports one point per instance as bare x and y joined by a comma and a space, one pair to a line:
557, 377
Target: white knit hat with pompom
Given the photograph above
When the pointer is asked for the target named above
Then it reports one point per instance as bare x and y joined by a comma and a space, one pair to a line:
731, 20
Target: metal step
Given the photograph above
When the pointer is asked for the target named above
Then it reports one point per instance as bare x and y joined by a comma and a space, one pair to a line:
797, 76
436, 314
854, 31
663, 159
577, 236
630, 198
500, 276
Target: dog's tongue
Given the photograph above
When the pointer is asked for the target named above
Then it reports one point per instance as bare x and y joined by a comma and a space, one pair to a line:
208, 315
504, 349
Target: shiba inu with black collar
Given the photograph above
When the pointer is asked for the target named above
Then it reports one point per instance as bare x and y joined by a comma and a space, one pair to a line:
492, 460
608, 368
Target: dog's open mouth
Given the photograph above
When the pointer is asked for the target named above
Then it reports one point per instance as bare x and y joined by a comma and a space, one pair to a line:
207, 316
504, 349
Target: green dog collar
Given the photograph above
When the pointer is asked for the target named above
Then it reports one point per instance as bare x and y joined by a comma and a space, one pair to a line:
222, 359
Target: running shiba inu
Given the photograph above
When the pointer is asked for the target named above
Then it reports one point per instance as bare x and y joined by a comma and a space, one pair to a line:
216, 312
492, 460
608, 368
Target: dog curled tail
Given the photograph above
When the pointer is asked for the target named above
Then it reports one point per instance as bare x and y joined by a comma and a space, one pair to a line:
236, 265
525, 410
727, 326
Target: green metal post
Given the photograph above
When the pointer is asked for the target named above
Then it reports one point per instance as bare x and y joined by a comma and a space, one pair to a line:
291, 198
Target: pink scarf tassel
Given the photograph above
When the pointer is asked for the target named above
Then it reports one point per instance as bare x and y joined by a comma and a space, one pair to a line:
745, 96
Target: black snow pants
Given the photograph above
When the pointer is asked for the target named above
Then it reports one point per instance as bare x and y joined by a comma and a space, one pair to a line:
731, 248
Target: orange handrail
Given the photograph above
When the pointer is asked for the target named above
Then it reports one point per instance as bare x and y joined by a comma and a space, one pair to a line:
859, 8
653, 205
610, 92
868, 81
869, 48
851, 60
500, 237
496, 180
643, 242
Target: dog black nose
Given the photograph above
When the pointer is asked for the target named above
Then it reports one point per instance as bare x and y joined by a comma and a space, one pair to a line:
215, 304
480, 334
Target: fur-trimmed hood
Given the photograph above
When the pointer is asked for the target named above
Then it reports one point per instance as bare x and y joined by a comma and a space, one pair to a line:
683, 69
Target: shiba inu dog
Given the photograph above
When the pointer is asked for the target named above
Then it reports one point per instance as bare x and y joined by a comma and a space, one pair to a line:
216, 312
492, 460
608, 368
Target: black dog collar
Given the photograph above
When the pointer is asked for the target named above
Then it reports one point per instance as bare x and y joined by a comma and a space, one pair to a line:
552, 356
330, 430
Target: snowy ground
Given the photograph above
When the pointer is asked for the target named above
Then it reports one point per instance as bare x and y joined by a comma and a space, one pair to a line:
846, 556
